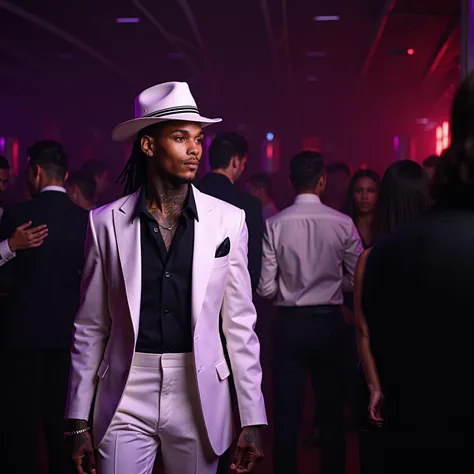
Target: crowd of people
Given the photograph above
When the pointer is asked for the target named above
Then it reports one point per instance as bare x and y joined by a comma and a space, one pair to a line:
130, 327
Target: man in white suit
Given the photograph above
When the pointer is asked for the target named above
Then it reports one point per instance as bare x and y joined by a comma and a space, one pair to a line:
162, 265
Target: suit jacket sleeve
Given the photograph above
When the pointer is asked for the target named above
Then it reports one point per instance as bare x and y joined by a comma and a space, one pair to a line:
268, 286
255, 235
238, 322
91, 330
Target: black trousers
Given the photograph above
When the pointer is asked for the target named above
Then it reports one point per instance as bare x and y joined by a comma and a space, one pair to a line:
36, 392
310, 340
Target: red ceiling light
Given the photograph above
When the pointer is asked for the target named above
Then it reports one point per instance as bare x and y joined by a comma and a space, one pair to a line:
410, 51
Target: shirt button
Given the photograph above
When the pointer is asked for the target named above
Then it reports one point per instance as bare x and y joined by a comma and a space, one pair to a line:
166, 311
167, 274
155, 229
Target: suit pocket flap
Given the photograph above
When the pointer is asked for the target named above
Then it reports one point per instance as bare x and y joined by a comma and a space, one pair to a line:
222, 369
103, 368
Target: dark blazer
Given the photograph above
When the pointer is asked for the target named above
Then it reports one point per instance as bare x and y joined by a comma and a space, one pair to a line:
418, 298
43, 283
221, 187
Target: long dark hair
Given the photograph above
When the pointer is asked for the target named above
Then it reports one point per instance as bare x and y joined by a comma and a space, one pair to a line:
453, 182
134, 175
404, 193
362, 173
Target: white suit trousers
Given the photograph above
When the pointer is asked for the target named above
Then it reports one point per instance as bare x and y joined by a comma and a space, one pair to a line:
159, 409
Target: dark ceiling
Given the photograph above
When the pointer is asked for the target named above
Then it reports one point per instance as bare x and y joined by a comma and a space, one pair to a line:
249, 60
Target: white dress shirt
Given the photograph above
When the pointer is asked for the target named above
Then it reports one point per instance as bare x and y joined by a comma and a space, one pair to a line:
305, 248
5, 252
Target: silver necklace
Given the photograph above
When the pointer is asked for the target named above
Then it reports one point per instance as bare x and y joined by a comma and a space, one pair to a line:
170, 228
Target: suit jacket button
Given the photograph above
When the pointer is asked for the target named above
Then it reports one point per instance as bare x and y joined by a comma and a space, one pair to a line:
126, 372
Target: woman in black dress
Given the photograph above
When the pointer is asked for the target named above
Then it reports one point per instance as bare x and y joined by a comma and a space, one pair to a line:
360, 205
403, 194
362, 197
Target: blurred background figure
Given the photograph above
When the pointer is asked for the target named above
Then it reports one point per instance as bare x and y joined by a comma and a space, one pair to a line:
81, 189
338, 177
429, 164
42, 284
101, 172
403, 195
228, 156
304, 250
260, 186
361, 202
4, 180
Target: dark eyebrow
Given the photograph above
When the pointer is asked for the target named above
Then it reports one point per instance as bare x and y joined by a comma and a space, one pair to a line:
185, 132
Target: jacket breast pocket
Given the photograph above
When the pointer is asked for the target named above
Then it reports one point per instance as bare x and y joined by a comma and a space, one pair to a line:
103, 369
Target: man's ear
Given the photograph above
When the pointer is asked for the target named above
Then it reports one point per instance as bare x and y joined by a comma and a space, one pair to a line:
235, 162
322, 183
148, 145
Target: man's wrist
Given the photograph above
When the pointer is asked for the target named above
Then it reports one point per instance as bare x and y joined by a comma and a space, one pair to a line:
75, 425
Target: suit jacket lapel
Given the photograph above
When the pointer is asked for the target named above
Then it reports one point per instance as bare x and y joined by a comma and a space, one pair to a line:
203, 256
127, 234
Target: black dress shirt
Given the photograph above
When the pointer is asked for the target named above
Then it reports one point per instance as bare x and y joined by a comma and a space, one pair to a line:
165, 311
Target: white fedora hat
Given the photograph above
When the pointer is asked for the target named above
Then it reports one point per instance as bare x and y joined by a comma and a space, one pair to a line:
167, 101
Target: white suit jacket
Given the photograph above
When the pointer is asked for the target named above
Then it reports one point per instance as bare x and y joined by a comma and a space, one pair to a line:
106, 324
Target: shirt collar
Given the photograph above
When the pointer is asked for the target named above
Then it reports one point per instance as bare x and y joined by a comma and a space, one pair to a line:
59, 189
307, 198
190, 208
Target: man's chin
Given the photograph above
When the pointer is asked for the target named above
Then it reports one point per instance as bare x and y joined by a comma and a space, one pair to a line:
178, 180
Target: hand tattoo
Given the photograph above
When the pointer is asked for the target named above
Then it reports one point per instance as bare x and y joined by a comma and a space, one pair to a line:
249, 450
252, 435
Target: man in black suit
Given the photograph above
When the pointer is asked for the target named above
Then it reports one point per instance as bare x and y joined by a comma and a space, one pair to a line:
43, 287
418, 302
228, 155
